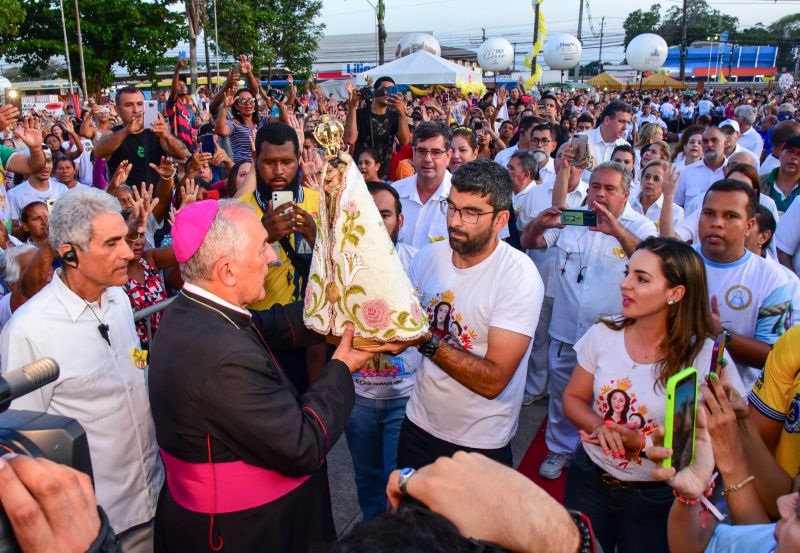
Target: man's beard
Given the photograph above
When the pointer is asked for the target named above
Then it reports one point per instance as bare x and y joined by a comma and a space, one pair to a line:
469, 246
711, 155
265, 189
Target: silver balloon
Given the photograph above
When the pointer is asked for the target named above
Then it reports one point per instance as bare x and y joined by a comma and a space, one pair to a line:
413, 42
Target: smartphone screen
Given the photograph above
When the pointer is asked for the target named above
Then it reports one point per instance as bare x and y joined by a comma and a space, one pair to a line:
207, 145
150, 113
579, 217
718, 353
681, 417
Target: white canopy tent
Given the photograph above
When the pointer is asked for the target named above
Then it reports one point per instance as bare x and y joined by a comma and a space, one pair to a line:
422, 68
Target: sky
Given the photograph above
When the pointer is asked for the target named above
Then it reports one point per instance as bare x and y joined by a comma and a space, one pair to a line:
459, 22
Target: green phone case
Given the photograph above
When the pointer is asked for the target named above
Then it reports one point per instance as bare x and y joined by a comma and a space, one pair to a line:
672, 384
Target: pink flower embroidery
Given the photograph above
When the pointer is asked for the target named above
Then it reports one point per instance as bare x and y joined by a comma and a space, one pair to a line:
307, 301
351, 208
376, 314
416, 314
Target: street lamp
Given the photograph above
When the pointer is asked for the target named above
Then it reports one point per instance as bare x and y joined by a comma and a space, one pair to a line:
710, 50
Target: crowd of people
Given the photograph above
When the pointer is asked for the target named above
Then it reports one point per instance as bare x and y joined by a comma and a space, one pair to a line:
209, 422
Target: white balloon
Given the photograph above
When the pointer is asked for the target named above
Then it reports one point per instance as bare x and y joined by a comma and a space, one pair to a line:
4, 83
412, 42
646, 52
562, 51
496, 54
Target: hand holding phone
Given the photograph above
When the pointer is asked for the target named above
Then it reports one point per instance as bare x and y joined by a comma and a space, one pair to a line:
680, 419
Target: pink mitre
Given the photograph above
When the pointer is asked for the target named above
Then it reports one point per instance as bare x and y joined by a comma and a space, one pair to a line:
190, 228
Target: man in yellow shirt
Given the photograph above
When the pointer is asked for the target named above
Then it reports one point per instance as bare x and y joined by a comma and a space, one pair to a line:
775, 402
291, 227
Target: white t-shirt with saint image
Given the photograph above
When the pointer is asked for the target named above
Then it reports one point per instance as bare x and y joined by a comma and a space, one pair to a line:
624, 392
502, 291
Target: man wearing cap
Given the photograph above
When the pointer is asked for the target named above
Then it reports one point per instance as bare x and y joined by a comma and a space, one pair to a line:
243, 451
732, 133
782, 184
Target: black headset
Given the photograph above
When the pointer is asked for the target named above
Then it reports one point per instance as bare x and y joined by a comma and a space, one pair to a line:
70, 257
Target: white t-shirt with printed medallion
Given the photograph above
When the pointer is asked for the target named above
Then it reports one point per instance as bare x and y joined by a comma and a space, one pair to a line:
627, 388
502, 291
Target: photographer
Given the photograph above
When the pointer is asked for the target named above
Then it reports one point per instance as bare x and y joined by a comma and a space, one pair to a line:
376, 125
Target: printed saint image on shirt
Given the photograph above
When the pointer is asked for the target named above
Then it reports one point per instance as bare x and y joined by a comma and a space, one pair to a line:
619, 405
447, 323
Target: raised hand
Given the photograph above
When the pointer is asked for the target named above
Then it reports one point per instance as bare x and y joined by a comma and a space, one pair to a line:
143, 204
189, 193
228, 97
166, 169
247, 65
8, 114
159, 126
29, 131
670, 182
136, 125
297, 126
120, 176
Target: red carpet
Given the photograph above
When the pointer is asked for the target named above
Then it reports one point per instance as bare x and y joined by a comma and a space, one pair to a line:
529, 466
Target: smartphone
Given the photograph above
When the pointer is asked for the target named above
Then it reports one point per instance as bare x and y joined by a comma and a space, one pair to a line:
393, 90
718, 353
237, 68
445, 97
207, 145
579, 217
150, 113
280, 197
680, 419
478, 125
580, 148
276, 95
50, 203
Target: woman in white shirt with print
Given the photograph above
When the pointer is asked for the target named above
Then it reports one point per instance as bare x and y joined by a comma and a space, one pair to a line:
623, 366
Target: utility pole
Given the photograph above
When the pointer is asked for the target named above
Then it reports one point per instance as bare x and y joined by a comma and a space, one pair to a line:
66, 48
80, 51
382, 34
600, 57
580, 27
483, 34
535, 33
684, 30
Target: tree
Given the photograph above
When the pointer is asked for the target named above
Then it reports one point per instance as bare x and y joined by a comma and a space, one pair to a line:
640, 21
271, 31
134, 34
195, 19
12, 14
592, 68
703, 21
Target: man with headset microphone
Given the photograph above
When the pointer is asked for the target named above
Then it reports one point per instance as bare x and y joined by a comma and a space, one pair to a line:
588, 271
83, 320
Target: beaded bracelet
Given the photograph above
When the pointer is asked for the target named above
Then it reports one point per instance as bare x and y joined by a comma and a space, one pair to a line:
692, 502
584, 526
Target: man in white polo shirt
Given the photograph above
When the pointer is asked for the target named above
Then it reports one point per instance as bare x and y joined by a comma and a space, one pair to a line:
83, 320
421, 193
523, 144
540, 198
697, 177
483, 299
590, 265
745, 115
609, 134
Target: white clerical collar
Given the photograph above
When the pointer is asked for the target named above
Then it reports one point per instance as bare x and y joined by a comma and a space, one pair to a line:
203, 293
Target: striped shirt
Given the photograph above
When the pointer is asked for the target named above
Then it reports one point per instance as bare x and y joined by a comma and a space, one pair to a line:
243, 138
180, 121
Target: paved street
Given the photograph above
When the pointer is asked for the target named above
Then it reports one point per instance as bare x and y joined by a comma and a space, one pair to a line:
343, 489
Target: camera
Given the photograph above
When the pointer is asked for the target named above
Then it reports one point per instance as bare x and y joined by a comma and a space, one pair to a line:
59, 439
367, 93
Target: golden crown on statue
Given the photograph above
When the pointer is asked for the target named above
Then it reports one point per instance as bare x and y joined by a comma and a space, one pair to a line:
329, 133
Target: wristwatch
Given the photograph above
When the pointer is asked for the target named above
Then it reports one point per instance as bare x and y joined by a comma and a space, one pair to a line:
429, 347
402, 480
